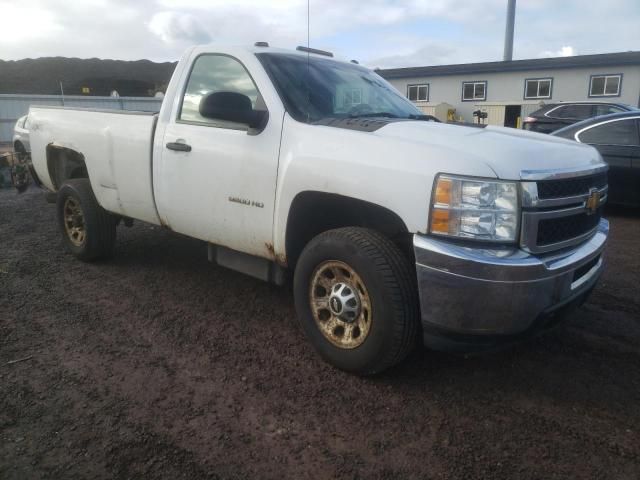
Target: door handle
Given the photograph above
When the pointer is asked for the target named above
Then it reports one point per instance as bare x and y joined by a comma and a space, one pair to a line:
178, 146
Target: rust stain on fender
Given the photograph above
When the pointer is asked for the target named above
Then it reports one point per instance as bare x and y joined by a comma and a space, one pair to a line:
281, 260
165, 224
271, 252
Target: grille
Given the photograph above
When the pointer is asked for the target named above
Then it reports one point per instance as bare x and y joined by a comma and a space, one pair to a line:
570, 187
555, 230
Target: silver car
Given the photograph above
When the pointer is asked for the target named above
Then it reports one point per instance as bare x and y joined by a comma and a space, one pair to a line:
21, 135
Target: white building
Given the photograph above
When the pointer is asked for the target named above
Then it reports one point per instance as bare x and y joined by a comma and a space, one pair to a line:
509, 91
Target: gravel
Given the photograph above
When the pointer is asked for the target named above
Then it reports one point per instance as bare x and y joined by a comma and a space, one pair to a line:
157, 364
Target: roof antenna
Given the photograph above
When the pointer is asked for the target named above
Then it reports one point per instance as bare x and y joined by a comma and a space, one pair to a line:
308, 22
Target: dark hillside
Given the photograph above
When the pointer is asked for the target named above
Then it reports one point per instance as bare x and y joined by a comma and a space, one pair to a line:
42, 76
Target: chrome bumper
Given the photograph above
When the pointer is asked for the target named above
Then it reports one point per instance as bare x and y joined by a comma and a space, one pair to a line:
482, 293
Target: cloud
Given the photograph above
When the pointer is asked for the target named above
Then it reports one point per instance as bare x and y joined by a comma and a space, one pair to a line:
174, 27
431, 54
25, 24
567, 51
380, 32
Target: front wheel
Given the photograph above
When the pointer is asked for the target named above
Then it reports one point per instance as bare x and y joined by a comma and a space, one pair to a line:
88, 230
356, 299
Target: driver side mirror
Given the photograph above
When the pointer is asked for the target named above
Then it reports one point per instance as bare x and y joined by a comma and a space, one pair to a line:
232, 107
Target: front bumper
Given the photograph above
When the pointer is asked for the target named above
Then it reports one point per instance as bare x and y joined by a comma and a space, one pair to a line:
479, 297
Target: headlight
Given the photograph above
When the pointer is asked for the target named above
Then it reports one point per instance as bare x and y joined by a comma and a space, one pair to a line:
475, 208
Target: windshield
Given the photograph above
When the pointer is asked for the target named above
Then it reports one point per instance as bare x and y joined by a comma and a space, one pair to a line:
314, 89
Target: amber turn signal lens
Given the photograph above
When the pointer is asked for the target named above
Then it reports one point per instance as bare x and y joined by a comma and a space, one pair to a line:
440, 221
443, 191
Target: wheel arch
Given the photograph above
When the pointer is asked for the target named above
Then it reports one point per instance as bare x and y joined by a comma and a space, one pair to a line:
64, 164
314, 212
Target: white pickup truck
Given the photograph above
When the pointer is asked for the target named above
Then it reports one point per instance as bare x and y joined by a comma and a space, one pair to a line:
396, 228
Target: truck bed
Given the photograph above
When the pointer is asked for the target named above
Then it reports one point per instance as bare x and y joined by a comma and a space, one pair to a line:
117, 148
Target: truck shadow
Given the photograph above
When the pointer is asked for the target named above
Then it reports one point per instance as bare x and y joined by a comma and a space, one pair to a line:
582, 364
621, 211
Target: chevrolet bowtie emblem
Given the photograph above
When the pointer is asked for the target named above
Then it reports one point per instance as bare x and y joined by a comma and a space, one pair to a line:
593, 201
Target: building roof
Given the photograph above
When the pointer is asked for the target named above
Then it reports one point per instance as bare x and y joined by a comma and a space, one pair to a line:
599, 60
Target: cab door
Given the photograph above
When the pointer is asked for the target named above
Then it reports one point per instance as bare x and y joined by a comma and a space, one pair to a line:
217, 178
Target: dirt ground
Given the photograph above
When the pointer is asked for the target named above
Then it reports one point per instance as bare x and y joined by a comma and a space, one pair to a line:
157, 364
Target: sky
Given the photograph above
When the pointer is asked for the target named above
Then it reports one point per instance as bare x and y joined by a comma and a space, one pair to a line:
378, 33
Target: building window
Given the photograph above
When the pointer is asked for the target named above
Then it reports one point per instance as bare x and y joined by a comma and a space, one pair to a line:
535, 88
605, 85
352, 97
474, 91
576, 111
418, 93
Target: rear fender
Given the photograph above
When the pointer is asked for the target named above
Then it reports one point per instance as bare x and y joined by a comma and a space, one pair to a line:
64, 164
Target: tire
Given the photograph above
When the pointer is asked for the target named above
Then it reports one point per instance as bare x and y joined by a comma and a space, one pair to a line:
387, 319
79, 211
19, 149
20, 177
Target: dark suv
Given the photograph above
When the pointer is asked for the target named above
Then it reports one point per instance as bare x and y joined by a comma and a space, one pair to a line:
557, 115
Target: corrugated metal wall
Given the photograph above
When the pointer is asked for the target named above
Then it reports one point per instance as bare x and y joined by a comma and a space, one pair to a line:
13, 107
528, 109
427, 109
495, 114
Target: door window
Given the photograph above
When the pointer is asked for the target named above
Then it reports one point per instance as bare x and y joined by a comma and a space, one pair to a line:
576, 111
216, 73
622, 132
607, 109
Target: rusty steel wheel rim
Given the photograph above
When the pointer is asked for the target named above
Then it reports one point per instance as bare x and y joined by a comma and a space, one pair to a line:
74, 222
340, 304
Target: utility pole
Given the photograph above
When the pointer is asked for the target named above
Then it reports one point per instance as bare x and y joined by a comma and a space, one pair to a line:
508, 33
62, 92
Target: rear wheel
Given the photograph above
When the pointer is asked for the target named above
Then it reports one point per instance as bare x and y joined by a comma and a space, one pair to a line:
356, 299
88, 230
20, 150
20, 177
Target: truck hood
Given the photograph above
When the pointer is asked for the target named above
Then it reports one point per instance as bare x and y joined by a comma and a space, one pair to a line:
506, 151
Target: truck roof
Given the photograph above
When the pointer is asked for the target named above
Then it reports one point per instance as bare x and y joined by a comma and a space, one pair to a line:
256, 48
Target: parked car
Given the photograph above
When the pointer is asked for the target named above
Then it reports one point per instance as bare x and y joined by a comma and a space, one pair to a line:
617, 138
554, 116
21, 142
393, 227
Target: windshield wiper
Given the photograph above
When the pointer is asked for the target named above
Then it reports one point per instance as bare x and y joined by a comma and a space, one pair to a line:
373, 114
414, 116
411, 116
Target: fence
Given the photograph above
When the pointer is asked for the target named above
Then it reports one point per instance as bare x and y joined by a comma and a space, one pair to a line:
13, 107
